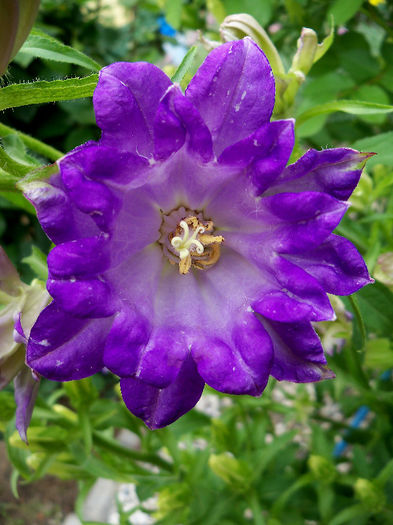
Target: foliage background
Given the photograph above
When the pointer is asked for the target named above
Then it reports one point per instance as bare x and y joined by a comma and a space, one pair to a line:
271, 460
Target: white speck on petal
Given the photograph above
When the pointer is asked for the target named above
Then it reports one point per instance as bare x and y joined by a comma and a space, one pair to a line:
243, 95
44, 342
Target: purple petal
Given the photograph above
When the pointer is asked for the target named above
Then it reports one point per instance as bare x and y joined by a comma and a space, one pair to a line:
266, 152
101, 204
19, 335
58, 217
307, 219
100, 162
333, 171
169, 134
90, 298
82, 257
298, 353
25, 391
62, 347
126, 101
336, 264
128, 336
241, 366
160, 407
295, 297
177, 121
233, 91
162, 358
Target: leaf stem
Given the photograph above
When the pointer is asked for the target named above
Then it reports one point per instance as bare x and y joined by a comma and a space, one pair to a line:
136, 455
359, 318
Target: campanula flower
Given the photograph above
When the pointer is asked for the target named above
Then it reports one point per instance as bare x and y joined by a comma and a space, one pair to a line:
186, 251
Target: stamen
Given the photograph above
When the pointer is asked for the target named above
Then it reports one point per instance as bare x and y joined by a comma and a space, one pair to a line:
192, 244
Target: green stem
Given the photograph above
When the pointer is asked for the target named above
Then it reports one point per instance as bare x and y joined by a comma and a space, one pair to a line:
359, 318
353, 354
34, 144
115, 447
256, 509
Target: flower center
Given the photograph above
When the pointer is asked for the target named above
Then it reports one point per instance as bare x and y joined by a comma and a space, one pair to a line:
189, 241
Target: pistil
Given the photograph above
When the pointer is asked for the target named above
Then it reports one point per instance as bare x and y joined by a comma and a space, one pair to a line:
195, 244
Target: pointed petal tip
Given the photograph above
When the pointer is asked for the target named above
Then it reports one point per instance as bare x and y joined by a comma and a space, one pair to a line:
364, 157
326, 373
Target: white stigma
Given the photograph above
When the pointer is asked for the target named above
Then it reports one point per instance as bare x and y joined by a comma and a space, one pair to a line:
183, 244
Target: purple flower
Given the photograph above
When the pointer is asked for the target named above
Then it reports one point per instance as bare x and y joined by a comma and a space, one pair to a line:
186, 251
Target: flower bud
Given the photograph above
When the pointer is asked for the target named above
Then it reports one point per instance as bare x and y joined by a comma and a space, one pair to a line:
235, 27
307, 46
322, 469
172, 501
383, 270
370, 494
16, 20
309, 51
235, 473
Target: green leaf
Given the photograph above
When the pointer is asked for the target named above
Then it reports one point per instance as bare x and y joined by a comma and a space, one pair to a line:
269, 452
343, 10
374, 94
378, 354
261, 10
16, 455
82, 392
217, 9
380, 144
376, 305
14, 200
33, 144
41, 45
354, 107
173, 11
185, 65
7, 406
37, 262
324, 46
386, 473
348, 515
16, 95
15, 148
13, 167
7, 181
